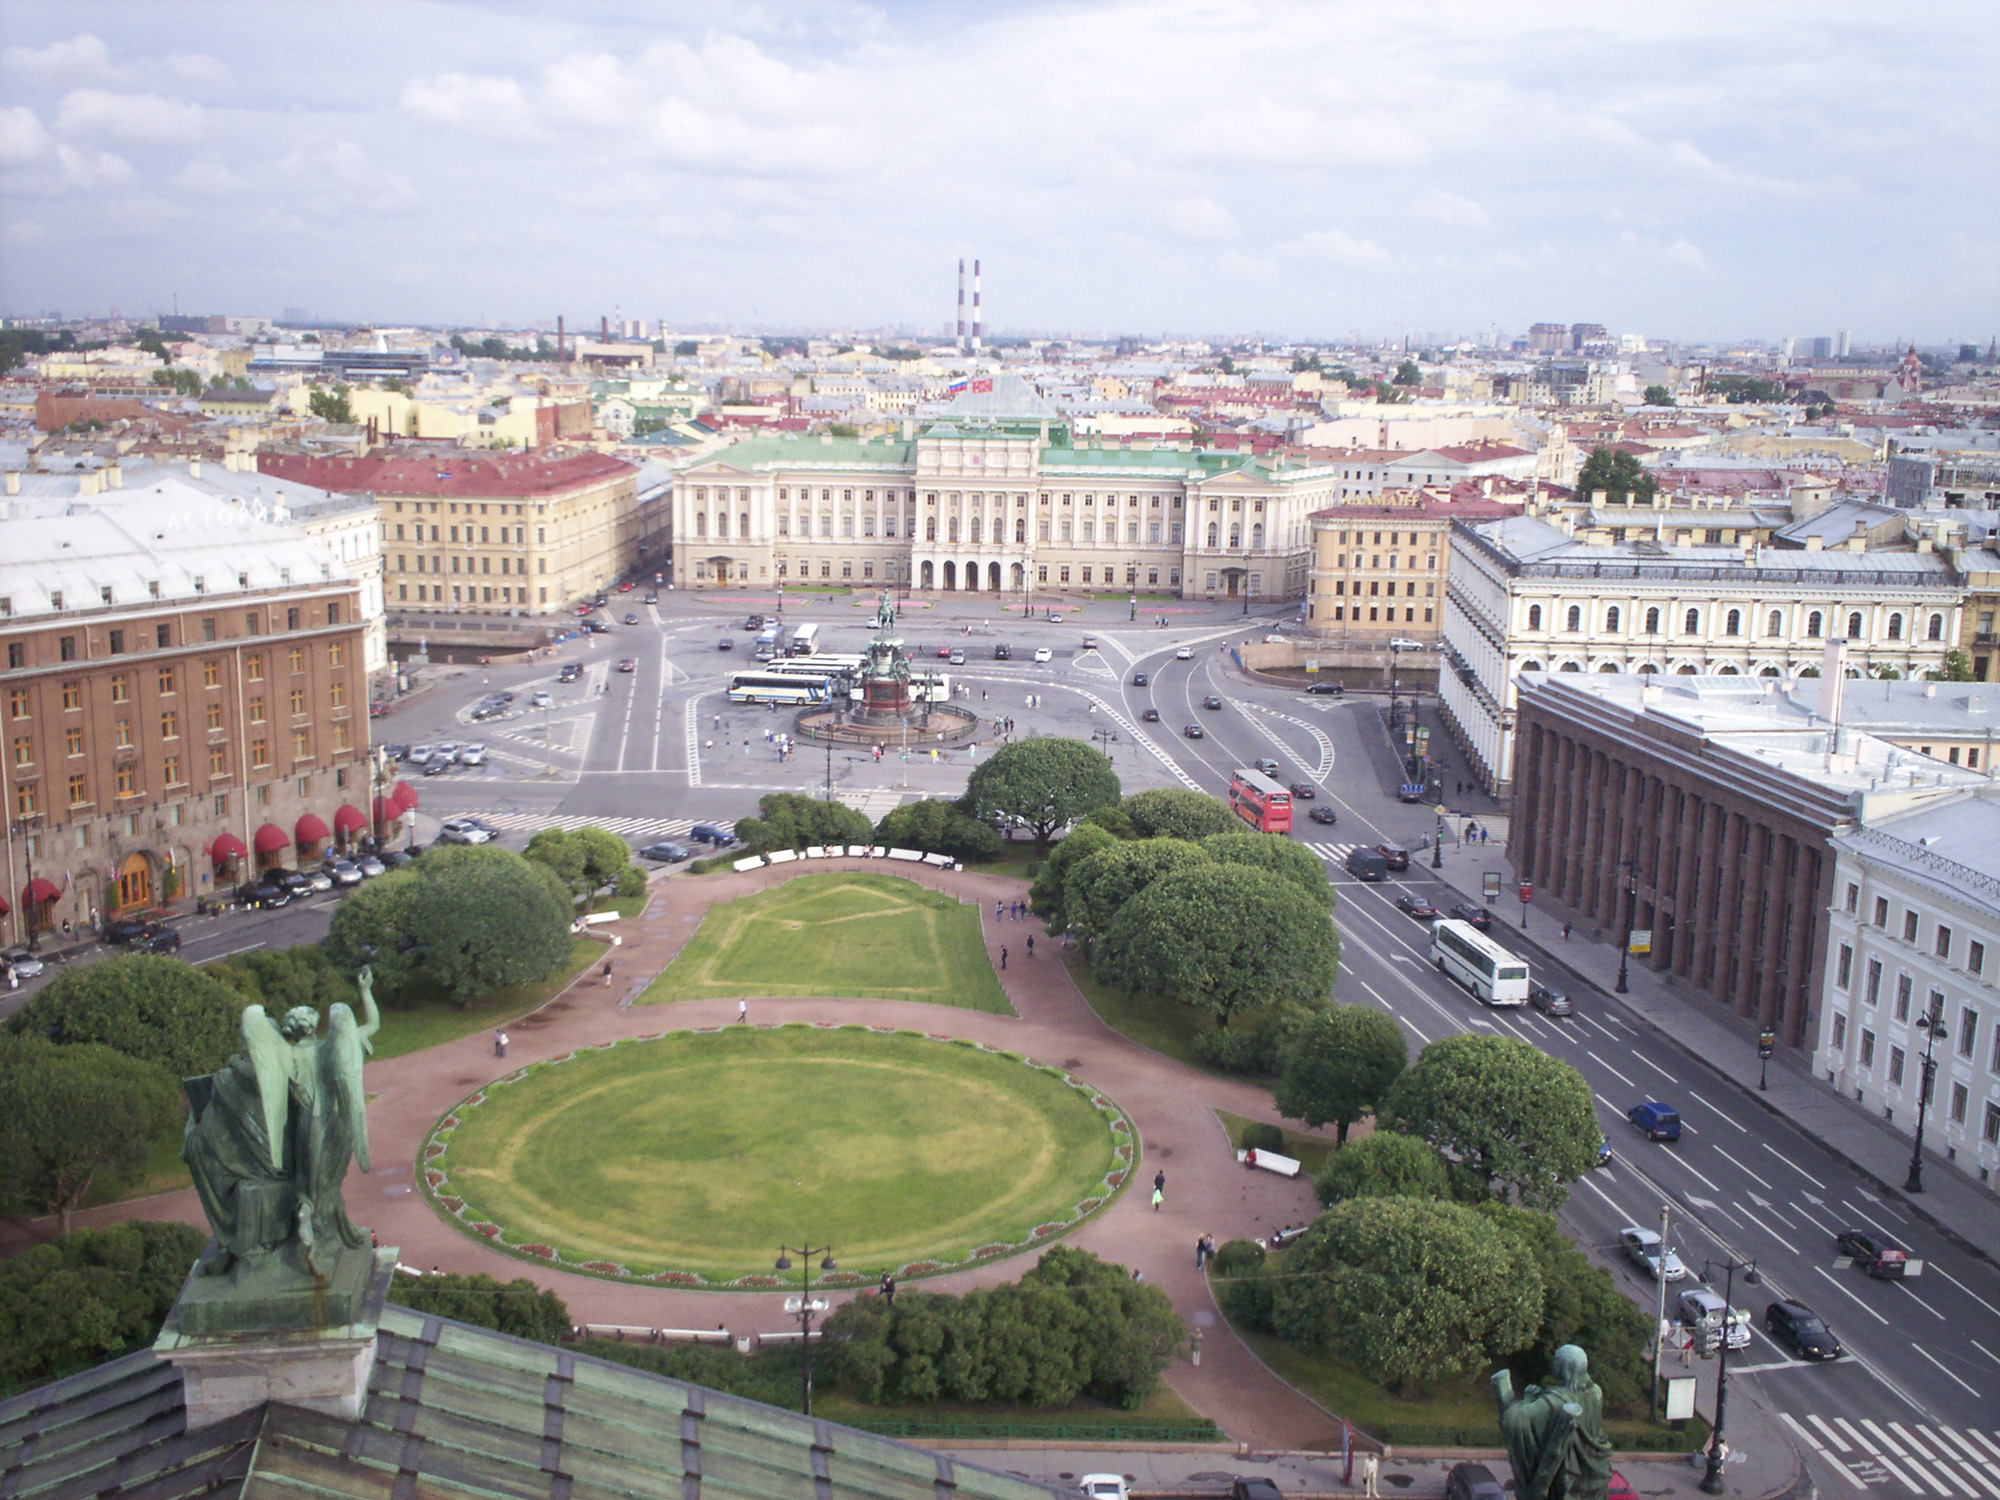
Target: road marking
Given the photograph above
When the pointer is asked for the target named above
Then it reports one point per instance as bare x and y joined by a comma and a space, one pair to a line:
1851, 1297
1714, 1111
1883, 1440
1604, 1195
1609, 1069
1776, 1364
1921, 1449
1744, 1170
1959, 1438
1864, 1217
1610, 1034
1986, 1440
1793, 1165
1838, 1441
218, 957
1985, 1351
1924, 1305
1766, 1227
1704, 1182
1608, 1105
1933, 1266
692, 712
1641, 1057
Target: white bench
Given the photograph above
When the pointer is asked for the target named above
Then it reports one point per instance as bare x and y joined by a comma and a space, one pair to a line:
1269, 1161
619, 1331
752, 863
693, 1335
814, 851
912, 855
782, 856
942, 861
786, 1338
858, 851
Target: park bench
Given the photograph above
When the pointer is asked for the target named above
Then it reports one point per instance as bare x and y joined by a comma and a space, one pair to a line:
1269, 1161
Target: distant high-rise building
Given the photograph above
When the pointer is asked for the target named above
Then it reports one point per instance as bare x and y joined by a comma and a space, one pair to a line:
1822, 348
1840, 345
1548, 338
1581, 334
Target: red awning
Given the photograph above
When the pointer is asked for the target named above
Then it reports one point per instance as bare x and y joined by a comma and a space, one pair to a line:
403, 795
4, 907
308, 830
386, 810
225, 847
348, 819
269, 839
38, 890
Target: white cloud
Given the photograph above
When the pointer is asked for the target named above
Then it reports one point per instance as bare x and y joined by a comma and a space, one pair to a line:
1449, 211
477, 104
1202, 220
88, 169
138, 119
83, 56
332, 177
1683, 256
199, 68
208, 178
1342, 249
22, 137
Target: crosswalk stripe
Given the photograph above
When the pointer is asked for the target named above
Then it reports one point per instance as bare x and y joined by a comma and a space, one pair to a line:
1837, 1440
1883, 1440
624, 826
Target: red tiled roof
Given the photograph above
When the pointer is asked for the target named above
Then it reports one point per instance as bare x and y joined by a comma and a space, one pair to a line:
1471, 453
1431, 510
445, 476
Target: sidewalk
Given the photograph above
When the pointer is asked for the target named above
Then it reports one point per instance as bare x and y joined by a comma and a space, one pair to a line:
1964, 1211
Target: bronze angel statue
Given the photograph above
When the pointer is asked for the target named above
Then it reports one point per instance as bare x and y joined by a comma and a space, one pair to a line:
269, 1136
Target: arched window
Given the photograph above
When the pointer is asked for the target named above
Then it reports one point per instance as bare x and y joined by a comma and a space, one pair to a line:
1814, 624
701, 523
1235, 534
1937, 628
1692, 624
1575, 617
972, 532
1611, 618
1652, 622
1688, 670
1610, 666
1534, 617
1531, 666
1895, 627
1570, 666
1727, 672
1770, 672
1257, 535
951, 529
1775, 625
1854, 626
1647, 669
1732, 623
1214, 535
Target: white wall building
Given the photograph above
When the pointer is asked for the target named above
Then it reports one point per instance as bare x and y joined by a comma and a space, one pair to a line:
1914, 933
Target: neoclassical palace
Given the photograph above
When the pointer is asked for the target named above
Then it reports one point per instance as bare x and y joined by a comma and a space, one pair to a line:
992, 504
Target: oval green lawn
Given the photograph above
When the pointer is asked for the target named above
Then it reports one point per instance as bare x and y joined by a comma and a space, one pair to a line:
701, 1151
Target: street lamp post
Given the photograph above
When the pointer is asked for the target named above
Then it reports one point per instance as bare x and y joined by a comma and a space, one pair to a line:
1767, 1041
1711, 1481
803, 1305
1933, 1028
1631, 869
1437, 841
24, 830
1105, 738
1395, 719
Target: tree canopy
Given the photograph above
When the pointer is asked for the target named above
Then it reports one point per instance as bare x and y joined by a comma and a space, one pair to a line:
1506, 1113
330, 405
1277, 854
1618, 474
1338, 1067
145, 1005
1407, 1289
1098, 887
1176, 813
1382, 1164
787, 820
1043, 784
516, 1307
1046, 895
1659, 395
90, 1296
938, 826
585, 860
70, 1116
1227, 941
1408, 373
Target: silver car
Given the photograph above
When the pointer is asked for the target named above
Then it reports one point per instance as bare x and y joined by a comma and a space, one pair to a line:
462, 831
472, 755
319, 880
370, 866
346, 872
1644, 1248
22, 962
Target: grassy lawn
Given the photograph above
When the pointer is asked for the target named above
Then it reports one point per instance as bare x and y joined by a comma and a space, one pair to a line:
1164, 1025
847, 935
1019, 860
700, 1151
428, 1021
1309, 1150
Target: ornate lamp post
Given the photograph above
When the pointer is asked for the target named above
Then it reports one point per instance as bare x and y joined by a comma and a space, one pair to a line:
1711, 1481
1631, 869
25, 829
805, 1305
1932, 1026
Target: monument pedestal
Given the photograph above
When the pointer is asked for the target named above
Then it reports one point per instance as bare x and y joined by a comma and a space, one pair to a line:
260, 1333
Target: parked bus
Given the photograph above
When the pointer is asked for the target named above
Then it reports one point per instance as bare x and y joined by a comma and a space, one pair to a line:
1260, 801
1466, 954
805, 641
769, 685
769, 642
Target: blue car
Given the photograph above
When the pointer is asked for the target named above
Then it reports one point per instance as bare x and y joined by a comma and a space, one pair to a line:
1661, 1122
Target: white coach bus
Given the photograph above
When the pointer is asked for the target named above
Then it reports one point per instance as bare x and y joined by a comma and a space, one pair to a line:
1465, 953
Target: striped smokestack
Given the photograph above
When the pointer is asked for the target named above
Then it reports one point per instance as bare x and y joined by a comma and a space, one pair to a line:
961, 302
975, 307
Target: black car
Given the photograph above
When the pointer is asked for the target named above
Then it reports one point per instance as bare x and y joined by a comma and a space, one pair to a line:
1801, 1330
1875, 1253
291, 880
128, 930
166, 940
399, 752
1139, 679
1416, 906
1330, 689
1211, 701
1473, 915
652, 599
264, 897
1151, 716
1394, 855
1304, 791
666, 854
753, 622
1255, 1489
571, 670
630, 618
1003, 652
1322, 814
1549, 1002
1193, 731
1470, 1481
725, 644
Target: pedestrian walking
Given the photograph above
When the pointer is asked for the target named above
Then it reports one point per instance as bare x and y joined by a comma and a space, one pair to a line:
1200, 1252
1371, 1468
1003, 955
607, 973
889, 1288
742, 1012
499, 1047
503, 1043
1482, 834
1159, 1197
1160, 1180
998, 906
1565, 932
1031, 945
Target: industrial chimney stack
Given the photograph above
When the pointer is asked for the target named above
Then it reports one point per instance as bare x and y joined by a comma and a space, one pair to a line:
975, 306
559, 338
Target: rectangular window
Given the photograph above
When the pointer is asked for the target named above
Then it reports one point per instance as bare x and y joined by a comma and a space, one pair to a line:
1882, 912
337, 695
170, 725
260, 753
79, 790
257, 709
214, 714
1975, 958
1991, 1129
218, 760
211, 673
292, 617
253, 668
1959, 1099
1968, 1030
121, 690
66, 648
127, 781
1903, 992
298, 701
336, 654
72, 740
166, 680
1844, 967
170, 770
1853, 898
117, 643
1873, 994
24, 750
1867, 1054
1941, 944
1896, 1059
1909, 927
1839, 1031
121, 734
297, 659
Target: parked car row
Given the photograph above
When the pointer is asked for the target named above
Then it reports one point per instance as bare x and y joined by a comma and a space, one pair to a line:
435, 760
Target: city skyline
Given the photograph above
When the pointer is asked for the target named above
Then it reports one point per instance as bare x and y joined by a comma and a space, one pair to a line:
1300, 172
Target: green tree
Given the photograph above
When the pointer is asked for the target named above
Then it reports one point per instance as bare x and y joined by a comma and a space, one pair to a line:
1176, 813
605, 855
281, 979
1096, 888
786, 820
464, 921
1956, 667
1277, 854
1618, 474
1047, 893
72, 1116
937, 826
1338, 1066
89, 1296
1409, 1290
1228, 365
150, 340
144, 1005
331, 405
1043, 784
1383, 1164
1509, 1115
1407, 373
1227, 941
516, 1307
1659, 395
559, 851
1113, 820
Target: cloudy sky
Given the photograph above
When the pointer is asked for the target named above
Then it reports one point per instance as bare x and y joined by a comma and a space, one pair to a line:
1678, 168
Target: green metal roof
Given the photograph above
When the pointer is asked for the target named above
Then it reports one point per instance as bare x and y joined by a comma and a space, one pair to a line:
810, 452
455, 1411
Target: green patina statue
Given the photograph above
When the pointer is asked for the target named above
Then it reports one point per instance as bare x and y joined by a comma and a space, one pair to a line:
1555, 1433
268, 1139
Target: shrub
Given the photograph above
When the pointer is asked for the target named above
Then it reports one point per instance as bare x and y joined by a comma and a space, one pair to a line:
89, 1296
1175, 812
516, 1307
1383, 1165
938, 827
1238, 1256
147, 1006
1257, 1136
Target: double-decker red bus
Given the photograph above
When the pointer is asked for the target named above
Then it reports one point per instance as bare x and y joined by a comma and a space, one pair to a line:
1260, 801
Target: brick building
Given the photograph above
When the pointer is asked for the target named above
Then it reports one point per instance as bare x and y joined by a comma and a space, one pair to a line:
185, 699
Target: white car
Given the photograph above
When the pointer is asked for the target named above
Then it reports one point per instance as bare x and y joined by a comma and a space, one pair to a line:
1643, 1247
1103, 1487
540, 698
1185, 653
463, 831
320, 880
472, 755
1043, 653
22, 962
345, 872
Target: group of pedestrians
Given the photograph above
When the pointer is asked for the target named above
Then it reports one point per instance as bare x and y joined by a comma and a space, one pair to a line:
1011, 911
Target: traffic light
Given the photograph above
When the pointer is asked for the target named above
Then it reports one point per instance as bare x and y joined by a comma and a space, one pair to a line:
1709, 1337
1766, 1041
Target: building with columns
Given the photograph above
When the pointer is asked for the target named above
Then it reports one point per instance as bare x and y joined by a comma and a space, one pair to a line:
997, 503
1708, 804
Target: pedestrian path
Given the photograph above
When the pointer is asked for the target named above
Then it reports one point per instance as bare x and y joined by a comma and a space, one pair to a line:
634, 829
1922, 1459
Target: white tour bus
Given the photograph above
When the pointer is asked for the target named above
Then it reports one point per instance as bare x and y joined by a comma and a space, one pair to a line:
805, 641
1465, 953
765, 685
